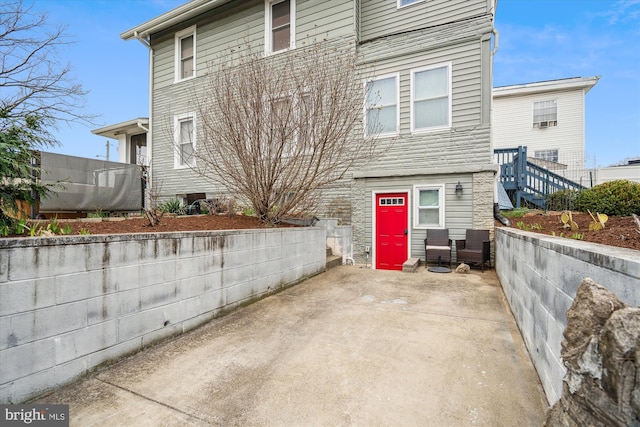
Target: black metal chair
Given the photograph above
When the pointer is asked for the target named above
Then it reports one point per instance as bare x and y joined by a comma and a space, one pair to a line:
437, 246
476, 248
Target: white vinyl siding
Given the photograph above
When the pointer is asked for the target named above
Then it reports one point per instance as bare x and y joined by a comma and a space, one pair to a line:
511, 125
429, 206
184, 140
185, 54
382, 112
280, 25
431, 98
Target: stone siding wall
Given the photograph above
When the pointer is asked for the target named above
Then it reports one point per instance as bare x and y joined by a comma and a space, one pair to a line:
68, 304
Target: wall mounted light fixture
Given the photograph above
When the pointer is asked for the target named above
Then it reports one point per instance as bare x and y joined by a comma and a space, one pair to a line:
458, 189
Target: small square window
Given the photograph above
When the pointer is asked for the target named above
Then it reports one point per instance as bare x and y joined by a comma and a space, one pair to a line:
429, 206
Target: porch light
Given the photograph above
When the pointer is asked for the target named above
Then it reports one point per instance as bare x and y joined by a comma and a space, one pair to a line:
458, 189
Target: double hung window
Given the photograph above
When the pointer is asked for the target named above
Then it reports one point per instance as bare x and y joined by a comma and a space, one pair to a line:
279, 25
431, 98
548, 155
185, 140
185, 43
545, 114
381, 106
429, 206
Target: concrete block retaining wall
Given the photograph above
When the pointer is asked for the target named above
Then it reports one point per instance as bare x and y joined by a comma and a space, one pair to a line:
339, 238
540, 276
68, 304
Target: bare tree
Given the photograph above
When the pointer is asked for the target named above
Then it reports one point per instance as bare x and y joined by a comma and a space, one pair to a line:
34, 87
276, 131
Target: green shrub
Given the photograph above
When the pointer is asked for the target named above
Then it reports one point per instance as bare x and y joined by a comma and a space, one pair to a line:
617, 198
563, 200
174, 206
516, 213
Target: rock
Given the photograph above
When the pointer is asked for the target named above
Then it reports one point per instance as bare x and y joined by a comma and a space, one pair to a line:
463, 269
601, 351
618, 343
589, 312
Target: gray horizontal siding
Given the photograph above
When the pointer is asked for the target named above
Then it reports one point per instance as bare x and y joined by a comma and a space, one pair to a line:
239, 26
380, 18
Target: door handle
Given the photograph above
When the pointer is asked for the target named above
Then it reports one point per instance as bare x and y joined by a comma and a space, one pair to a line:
406, 231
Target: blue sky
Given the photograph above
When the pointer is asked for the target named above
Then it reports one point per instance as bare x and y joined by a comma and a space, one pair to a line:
539, 40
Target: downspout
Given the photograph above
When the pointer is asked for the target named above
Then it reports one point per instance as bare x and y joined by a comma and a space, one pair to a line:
147, 44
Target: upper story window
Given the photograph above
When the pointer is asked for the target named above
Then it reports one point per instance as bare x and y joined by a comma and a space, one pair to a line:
548, 155
185, 54
545, 114
381, 106
403, 3
431, 98
279, 25
429, 206
185, 140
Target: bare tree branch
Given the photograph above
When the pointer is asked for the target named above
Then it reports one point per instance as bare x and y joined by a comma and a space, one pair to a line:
32, 82
276, 131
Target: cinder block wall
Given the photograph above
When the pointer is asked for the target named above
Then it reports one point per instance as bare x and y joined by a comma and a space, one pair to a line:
69, 303
540, 276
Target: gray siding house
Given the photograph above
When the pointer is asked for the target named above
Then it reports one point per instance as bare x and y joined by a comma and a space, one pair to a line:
432, 62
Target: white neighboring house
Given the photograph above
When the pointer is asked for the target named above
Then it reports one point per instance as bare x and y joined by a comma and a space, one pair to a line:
549, 119
132, 140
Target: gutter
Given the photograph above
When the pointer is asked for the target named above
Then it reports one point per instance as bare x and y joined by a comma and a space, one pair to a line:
149, 183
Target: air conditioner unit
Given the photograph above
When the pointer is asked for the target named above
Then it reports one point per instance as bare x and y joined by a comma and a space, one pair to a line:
544, 124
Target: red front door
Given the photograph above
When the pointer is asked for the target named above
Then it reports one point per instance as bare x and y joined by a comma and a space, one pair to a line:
391, 230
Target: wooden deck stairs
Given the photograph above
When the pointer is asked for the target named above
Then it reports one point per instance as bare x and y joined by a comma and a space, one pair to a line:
525, 181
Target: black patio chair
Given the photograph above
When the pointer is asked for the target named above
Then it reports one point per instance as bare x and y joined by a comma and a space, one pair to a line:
475, 249
437, 246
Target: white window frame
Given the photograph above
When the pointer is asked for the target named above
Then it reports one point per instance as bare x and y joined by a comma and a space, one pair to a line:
191, 31
365, 107
441, 205
268, 39
296, 101
449, 67
177, 120
542, 124
400, 5
547, 155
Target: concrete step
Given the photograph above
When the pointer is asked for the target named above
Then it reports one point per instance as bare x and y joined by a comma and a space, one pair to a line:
333, 261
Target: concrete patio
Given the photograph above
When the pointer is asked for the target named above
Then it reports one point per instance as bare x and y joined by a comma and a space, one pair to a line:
351, 346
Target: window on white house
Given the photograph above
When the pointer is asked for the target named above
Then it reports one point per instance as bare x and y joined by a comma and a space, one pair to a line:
185, 54
429, 206
402, 3
185, 140
545, 114
381, 109
280, 25
548, 155
431, 98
